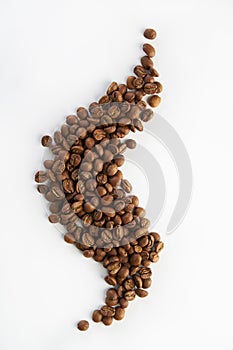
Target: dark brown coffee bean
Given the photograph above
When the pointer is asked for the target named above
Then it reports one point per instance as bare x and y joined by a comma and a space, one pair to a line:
153, 72
140, 71
150, 34
129, 295
135, 259
146, 283
149, 50
107, 321
69, 238
110, 280
46, 141
107, 311
54, 218
130, 82
41, 176
154, 101
97, 316
141, 293
114, 267
124, 303
147, 63
129, 284
83, 325
112, 294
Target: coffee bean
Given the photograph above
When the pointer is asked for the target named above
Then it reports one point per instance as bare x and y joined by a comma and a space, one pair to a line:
129, 295
46, 141
141, 293
107, 311
123, 273
119, 313
145, 273
107, 321
110, 280
150, 34
41, 176
146, 283
124, 303
126, 185
97, 316
89, 253
140, 71
135, 259
42, 189
138, 83
154, 101
69, 238
130, 82
159, 247
112, 170
149, 50
83, 325
54, 218
147, 63
113, 87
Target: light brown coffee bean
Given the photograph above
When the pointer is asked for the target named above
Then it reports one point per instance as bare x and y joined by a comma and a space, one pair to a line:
135, 259
154, 101
140, 71
69, 238
119, 313
130, 82
129, 295
150, 34
107, 321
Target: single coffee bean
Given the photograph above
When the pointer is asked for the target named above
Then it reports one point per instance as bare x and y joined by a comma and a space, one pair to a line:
153, 72
129, 295
135, 259
83, 325
123, 273
119, 313
131, 143
124, 303
41, 176
140, 212
145, 273
46, 141
54, 218
159, 247
97, 316
69, 238
112, 170
141, 293
129, 96
149, 50
122, 89
138, 281
154, 101
107, 311
110, 280
147, 115
146, 283
126, 185
138, 83
42, 189
112, 294
107, 321
130, 82
140, 71
150, 34
147, 63
89, 253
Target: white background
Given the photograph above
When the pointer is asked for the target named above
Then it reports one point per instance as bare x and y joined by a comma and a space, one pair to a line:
58, 55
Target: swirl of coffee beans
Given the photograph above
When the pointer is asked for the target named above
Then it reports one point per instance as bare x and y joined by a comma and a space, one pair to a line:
89, 196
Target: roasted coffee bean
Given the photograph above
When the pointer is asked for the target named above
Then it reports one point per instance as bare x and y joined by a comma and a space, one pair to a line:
129, 284
147, 63
135, 259
46, 141
119, 160
83, 325
69, 238
140, 71
112, 294
113, 87
138, 281
129, 295
146, 283
114, 267
89, 253
147, 115
154, 101
112, 170
123, 273
130, 82
41, 176
145, 273
126, 185
110, 280
107, 321
149, 79
141, 293
97, 316
124, 303
130, 96
149, 50
107, 311
122, 89
119, 313
159, 247
150, 34
131, 143
42, 189
54, 218
138, 83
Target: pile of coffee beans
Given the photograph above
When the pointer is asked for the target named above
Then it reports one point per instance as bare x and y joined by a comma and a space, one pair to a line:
89, 196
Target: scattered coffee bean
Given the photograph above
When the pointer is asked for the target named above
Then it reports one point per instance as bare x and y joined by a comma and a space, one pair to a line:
83, 325
150, 34
46, 141
149, 50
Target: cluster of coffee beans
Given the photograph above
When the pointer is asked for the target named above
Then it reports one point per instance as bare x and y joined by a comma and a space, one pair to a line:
89, 196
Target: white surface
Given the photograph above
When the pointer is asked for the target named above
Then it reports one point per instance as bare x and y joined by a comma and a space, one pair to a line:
57, 55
